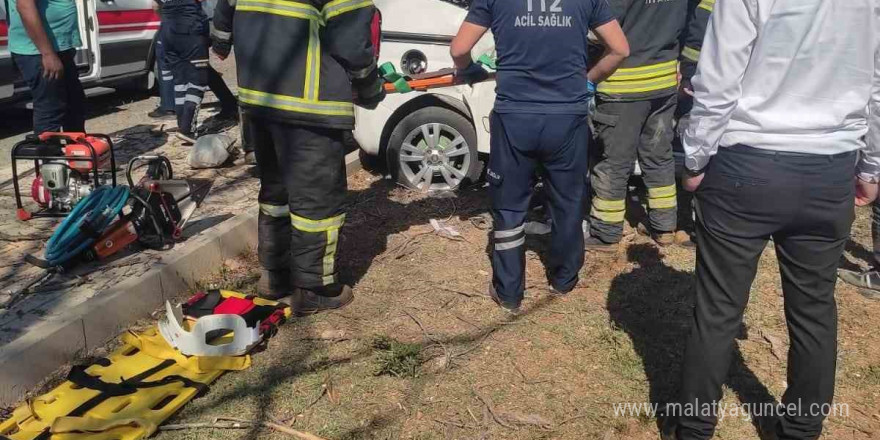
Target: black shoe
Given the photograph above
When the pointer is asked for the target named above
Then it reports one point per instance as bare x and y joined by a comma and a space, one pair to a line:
868, 281
512, 309
668, 428
274, 284
597, 245
162, 115
306, 302
227, 114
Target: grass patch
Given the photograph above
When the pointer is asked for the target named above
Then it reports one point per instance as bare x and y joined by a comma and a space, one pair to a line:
398, 359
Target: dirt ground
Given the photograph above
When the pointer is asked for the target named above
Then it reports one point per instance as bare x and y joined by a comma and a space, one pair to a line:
423, 353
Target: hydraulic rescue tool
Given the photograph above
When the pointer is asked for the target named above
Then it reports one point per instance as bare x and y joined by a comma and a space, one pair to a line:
152, 211
68, 167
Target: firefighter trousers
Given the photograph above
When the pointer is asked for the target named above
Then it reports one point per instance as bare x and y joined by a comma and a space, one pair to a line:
186, 54
626, 131
520, 143
302, 192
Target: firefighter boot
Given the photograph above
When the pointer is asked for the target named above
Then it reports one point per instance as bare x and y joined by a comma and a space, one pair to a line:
306, 302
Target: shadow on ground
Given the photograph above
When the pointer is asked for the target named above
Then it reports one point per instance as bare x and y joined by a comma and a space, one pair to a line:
653, 304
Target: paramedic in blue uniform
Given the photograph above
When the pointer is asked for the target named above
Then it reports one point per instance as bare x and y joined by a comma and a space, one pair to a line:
543, 91
184, 36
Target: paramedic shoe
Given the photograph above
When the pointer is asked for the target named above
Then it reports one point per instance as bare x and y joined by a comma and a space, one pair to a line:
306, 302
187, 138
511, 309
868, 281
597, 245
274, 284
162, 115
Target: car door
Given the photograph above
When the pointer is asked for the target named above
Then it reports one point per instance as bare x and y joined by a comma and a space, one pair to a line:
127, 30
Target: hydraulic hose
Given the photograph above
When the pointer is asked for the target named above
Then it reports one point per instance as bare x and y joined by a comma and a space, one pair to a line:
88, 220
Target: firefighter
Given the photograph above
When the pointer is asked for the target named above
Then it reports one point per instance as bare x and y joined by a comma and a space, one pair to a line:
539, 120
300, 66
184, 34
634, 117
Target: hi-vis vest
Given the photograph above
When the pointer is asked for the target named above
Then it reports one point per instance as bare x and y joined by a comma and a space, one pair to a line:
296, 59
653, 29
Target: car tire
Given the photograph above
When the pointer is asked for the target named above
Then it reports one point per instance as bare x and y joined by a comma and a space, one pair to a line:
434, 149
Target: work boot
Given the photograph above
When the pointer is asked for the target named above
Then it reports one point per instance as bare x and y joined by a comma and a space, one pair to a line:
306, 302
663, 239
684, 240
511, 309
274, 284
867, 281
595, 244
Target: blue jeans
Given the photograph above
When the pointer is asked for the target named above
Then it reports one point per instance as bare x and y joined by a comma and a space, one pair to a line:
58, 104
165, 79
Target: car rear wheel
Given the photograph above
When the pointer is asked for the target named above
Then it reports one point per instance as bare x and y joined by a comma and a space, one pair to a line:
434, 149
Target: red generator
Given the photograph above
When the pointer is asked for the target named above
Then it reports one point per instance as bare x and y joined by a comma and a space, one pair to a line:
67, 167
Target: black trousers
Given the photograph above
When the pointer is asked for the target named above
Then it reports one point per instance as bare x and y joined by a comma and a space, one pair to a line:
520, 143
626, 131
58, 104
302, 191
805, 204
875, 233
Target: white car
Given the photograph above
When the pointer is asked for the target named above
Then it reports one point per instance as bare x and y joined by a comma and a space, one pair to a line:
434, 140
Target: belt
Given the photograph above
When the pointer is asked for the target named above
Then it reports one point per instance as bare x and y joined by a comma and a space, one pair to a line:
739, 148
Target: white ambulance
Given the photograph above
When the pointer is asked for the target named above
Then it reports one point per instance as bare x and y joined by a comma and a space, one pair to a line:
118, 47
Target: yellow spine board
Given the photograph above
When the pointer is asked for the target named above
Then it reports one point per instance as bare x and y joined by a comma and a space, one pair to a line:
130, 417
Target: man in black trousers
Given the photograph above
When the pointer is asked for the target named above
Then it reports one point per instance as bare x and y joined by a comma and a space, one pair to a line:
782, 101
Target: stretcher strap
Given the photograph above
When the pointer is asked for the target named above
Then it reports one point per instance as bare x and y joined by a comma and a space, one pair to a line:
79, 376
63, 425
389, 73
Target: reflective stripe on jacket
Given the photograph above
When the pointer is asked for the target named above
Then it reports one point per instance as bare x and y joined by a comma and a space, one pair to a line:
653, 29
296, 59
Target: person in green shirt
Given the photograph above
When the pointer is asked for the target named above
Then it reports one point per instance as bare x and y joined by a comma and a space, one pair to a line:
43, 38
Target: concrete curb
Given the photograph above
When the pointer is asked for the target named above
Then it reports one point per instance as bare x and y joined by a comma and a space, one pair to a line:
26, 361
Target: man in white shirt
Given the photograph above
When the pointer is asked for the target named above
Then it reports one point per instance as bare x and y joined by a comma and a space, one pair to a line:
784, 93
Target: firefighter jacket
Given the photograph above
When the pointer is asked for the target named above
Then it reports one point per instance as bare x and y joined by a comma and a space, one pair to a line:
653, 29
297, 59
692, 41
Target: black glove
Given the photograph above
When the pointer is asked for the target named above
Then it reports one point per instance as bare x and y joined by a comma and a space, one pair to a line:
221, 48
471, 74
369, 91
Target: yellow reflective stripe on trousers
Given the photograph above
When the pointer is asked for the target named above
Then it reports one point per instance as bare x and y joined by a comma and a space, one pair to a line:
294, 104
330, 257
274, 210
609, 205
281, 7
608, 217
662, 197
708, 5
309, 225
661, 192
663, 203
339, 7
313, 62
691, 54
611, 211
